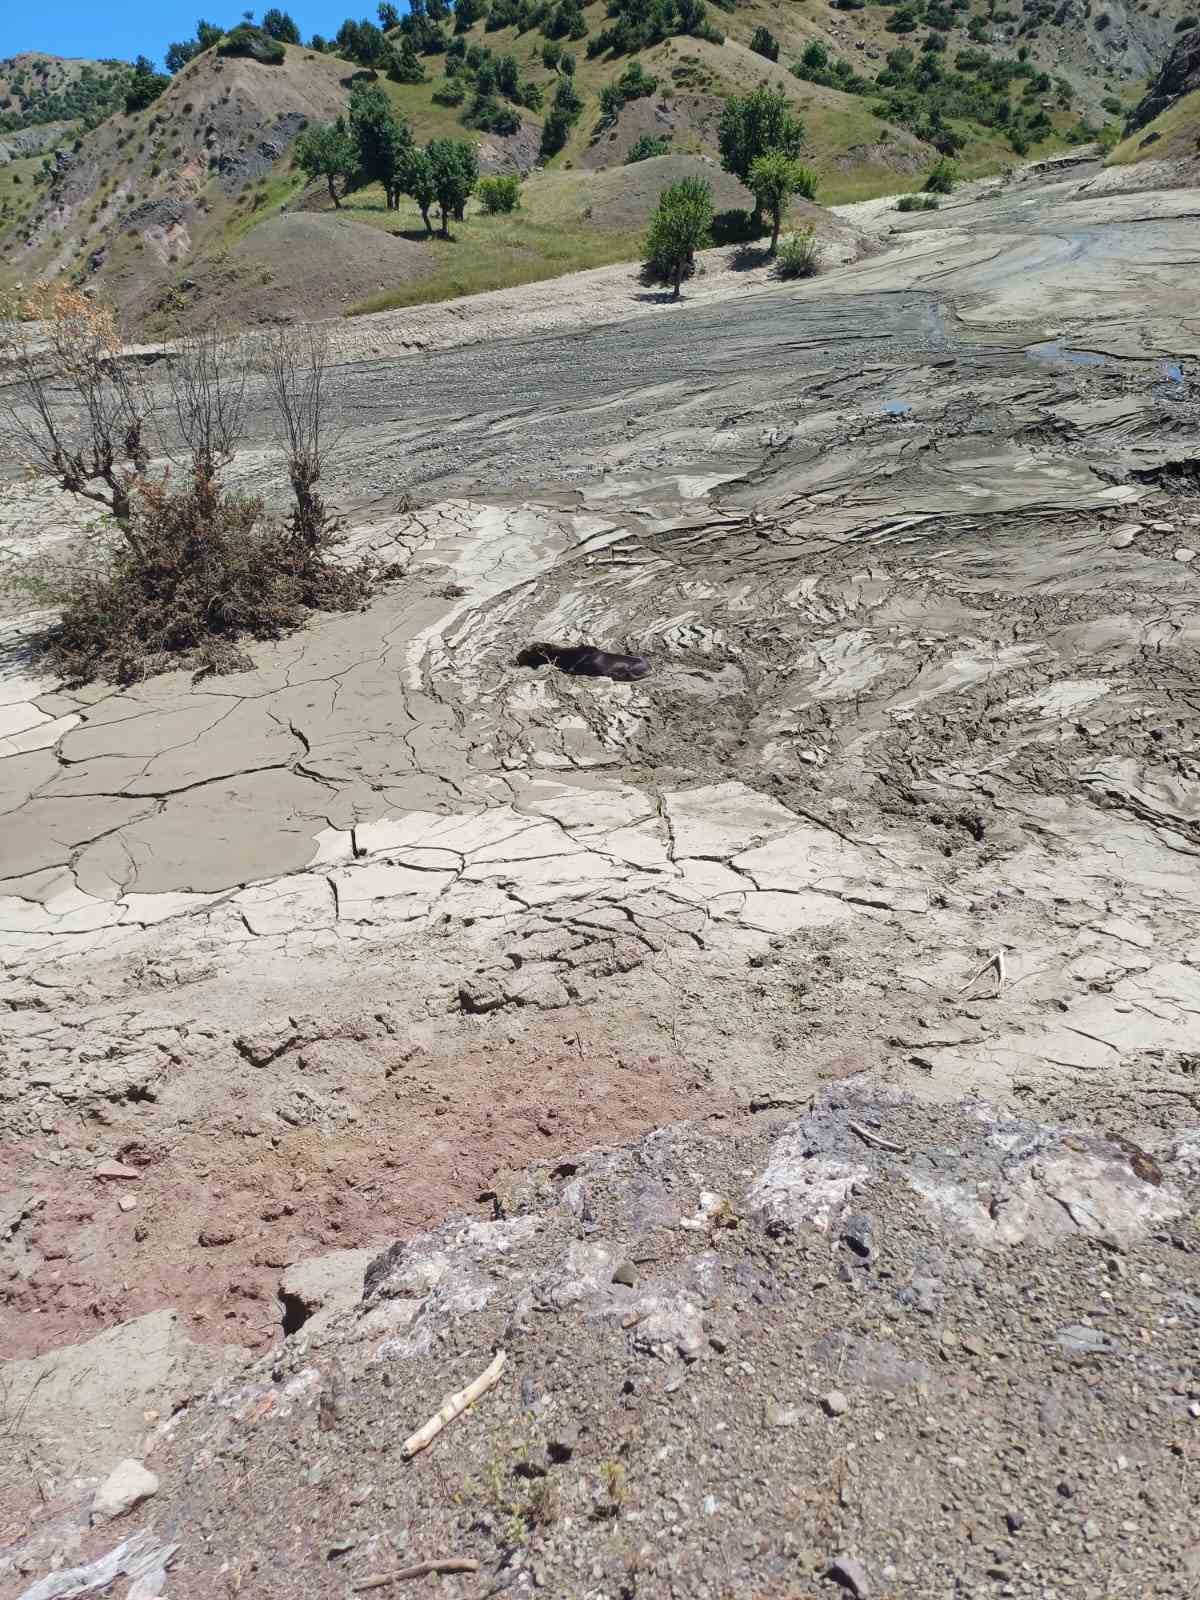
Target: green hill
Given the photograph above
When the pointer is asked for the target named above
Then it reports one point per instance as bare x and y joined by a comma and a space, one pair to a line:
178, 210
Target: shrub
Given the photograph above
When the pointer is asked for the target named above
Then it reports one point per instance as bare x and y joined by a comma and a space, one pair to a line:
450, 92
943, 175
799, 255
498, 195
254, 44
189, 567
1184, 23
918, 202
646, 147
764, 43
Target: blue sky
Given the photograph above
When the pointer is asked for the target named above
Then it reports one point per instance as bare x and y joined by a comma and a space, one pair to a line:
143, 27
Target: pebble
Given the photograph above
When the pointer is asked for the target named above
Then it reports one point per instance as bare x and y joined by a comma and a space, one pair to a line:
115, 1169
1091, 1529
625, 1272
781, 1416
859, 1234
1185, 553
851, 1574
127, 1203
1014, 1521
210, 1238
128, 1483
835, 1403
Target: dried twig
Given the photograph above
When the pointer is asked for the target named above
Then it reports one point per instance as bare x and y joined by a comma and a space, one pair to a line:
419, 1569
452, 1406
868, 1137
995, 964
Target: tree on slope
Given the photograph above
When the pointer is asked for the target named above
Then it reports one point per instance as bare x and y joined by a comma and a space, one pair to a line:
754, 123
279, 25
418, 182
382, 141
774, 179
678, 229
455, 169
328, 152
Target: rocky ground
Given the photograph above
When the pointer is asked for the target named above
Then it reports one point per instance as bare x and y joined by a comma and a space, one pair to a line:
904, 820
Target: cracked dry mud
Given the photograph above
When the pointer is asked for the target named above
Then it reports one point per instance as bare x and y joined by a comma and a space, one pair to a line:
320, 951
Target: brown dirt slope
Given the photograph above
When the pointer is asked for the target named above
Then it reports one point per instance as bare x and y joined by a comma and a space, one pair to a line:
884, 1349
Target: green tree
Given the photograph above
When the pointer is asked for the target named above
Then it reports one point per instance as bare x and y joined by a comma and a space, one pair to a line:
754, 123
417, 181
388, 16
404, 64
455, 169
279, 25
774, 179
678, 229
764, 43
145, 86
328, 152
382, 141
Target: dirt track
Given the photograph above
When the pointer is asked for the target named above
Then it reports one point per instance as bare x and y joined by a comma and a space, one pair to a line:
318, 949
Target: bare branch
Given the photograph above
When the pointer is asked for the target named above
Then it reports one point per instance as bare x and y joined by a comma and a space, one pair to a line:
207, 378
297, 370
76, 410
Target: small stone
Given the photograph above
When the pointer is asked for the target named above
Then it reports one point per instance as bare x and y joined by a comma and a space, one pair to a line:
625, 1272
1091, 1529
339, 1547
1163, 527
1124, 536
1185, 553
221, 1233
781, 1416
128, 1483
835, 1403
1194, 1408
127, 1203
116, 1169
858, 1234
1080, 1340
1014, 1521
1190, 1561
973, 1346
1066, 1490
851, 1574
710, 1504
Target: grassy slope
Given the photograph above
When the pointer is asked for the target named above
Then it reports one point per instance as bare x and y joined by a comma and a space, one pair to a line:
1178, 130
856, 154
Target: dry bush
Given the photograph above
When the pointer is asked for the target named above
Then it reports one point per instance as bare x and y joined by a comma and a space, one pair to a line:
186, 567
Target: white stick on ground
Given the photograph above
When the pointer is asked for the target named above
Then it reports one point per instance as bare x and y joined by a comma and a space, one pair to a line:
452, 1406
992, 964
868, 1137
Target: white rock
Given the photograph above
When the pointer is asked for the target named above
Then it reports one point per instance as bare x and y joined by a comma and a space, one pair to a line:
128, 1483
1185, 553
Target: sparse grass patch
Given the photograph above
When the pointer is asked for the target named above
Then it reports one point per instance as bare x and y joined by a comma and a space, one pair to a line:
799, 255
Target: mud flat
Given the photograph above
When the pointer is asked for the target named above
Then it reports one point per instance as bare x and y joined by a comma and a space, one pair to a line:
318, 953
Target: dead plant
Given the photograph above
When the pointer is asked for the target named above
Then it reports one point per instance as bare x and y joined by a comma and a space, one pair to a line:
297, 369
196, 566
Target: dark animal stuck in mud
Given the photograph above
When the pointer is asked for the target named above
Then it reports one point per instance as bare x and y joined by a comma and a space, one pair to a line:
585, 661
